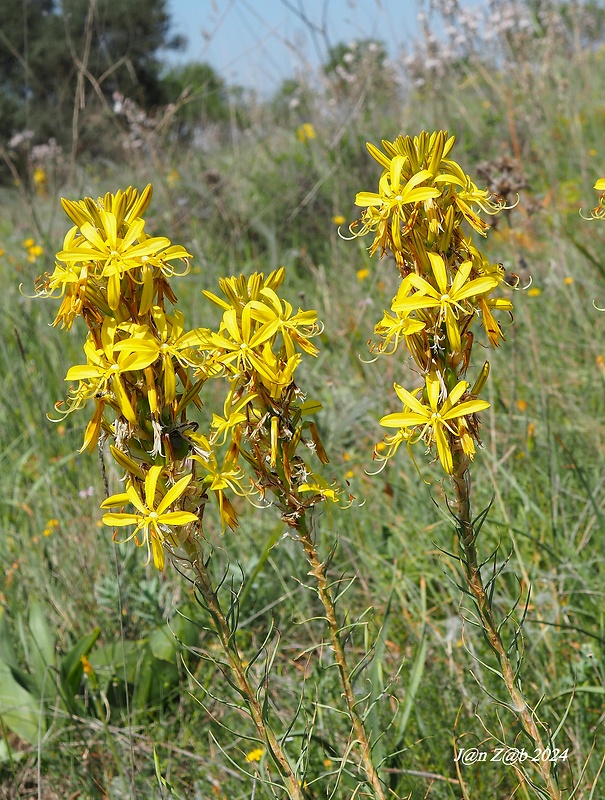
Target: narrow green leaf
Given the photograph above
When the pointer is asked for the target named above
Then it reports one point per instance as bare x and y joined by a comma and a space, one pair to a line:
20, 711
71, 664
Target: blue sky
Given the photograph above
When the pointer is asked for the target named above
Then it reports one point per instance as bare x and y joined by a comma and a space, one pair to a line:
259, 43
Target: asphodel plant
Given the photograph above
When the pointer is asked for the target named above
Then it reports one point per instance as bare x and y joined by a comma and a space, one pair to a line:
423, 214
144, 374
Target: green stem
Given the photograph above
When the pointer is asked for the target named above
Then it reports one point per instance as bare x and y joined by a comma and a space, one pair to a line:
226, 638
325, 595
468, 537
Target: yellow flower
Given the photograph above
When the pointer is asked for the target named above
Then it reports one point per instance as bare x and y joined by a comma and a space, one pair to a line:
241, 346
535, 292
568, 281
430, 422
255, 755
278, 313
234, 416
599, 211
229, 476
150, 517
306, 132
51, 526
170, 343
104, 368
338, 219
469, 196
86, 666
447, 298
362, 274
39, 180
395, 193
320, 486
114, 254
392, 328
493, 328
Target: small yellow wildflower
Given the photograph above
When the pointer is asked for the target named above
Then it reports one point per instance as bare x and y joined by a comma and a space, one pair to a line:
535, 292
86, 666
51, 526
33, 253
600, 362
255, 755
568, 281
338, 219
362, 274
306, 132
592, 152
39, 180
522, 405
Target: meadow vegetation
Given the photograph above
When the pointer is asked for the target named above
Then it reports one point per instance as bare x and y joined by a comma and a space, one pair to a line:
110, 678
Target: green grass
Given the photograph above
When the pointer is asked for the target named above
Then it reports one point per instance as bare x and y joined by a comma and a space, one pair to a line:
265, 201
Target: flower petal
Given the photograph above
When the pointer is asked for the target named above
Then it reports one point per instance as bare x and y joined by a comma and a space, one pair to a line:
173, 494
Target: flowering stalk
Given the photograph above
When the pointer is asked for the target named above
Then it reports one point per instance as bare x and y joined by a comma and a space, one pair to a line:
269, 429
318, 569
144, 371
424, 199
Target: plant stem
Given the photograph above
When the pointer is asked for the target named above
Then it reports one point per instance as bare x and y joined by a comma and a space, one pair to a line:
226, 637
325, 595
468, 537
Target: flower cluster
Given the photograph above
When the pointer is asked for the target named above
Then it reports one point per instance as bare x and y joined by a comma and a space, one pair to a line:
144, 371
423, 201
266, 417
